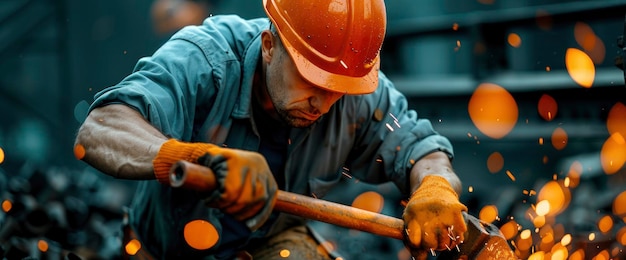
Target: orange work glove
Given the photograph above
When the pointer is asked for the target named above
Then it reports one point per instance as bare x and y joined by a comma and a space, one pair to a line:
246, 187
433, 218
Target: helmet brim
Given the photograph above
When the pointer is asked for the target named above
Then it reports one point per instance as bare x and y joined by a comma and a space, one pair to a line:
332, 81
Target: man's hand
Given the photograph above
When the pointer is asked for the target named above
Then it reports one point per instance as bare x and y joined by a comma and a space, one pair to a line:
246, 187
433, 219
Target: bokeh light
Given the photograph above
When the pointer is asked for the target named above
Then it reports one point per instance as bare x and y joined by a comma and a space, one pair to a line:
7, 205
547, 107
284, 253
543, 20
370, 201
79, 151
493, 110
578, 255
559, 138
543, 208
603, 255
539, 221
580, 67
403, 253
584, 35
537, 256
557, 195
559, 252
619, 205
132, 247
42, 245
169, 16
620, 237
1, 155
525, 240
510, 229
566, 240
615, 122
514, 40
200, 234
495, 162
598, 53
605, 224
613, 153
488, 213
590, 42
575, 170
546, 234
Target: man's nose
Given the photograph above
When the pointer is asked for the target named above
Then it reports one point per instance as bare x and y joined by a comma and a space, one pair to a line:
324, 100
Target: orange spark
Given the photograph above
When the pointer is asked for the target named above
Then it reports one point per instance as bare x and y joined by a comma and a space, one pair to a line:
510, 174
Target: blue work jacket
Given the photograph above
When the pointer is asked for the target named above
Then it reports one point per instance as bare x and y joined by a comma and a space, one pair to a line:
197, 87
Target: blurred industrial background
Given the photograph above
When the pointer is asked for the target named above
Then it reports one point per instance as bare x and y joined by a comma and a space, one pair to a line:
549, 172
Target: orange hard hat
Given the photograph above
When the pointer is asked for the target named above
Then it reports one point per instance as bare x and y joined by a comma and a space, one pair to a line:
335, 44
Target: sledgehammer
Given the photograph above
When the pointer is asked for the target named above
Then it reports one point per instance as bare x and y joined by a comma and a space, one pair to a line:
193, 176
486, 240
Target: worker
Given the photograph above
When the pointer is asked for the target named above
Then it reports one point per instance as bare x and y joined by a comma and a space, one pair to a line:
284, 103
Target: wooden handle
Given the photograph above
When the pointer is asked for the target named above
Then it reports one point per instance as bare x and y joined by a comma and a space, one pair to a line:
339, 214
193, 176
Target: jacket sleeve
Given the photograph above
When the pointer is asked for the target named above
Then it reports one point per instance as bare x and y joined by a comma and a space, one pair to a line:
165, 87
392, 137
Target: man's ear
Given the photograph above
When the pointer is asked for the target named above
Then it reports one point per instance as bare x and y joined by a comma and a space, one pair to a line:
267, 45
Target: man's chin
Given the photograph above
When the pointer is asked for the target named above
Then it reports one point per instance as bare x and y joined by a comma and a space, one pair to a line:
299, 122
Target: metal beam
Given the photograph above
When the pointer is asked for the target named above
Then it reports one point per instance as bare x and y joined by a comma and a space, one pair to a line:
521, 15
518, 81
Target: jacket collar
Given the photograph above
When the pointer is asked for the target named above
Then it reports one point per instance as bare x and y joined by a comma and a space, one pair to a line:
251, 57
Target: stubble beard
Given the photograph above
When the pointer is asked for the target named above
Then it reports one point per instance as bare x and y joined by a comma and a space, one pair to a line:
289, 119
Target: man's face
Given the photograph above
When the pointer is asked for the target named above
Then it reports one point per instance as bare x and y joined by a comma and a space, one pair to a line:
297, 102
